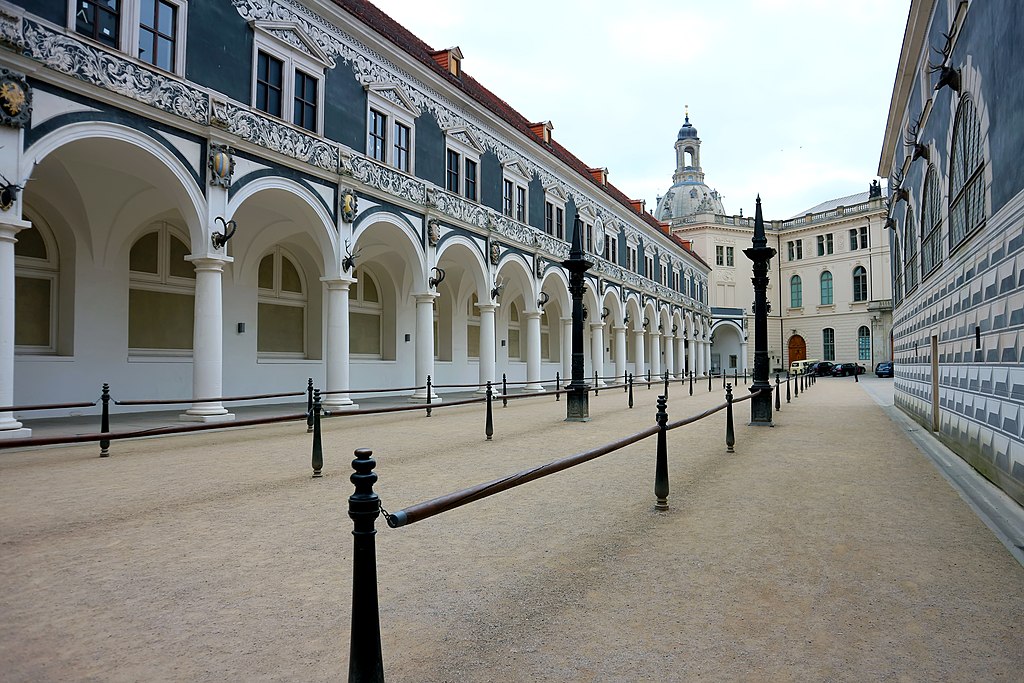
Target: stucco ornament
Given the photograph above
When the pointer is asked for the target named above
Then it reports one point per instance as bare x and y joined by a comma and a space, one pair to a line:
222, 165
538, 267
433, 232
15, 99
495, 253
349, 206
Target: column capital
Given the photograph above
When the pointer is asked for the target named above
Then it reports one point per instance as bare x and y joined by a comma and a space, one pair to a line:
338, 282
619, 328
9, 227
425, 297
209, 263
532, 315
488, 308
596, 326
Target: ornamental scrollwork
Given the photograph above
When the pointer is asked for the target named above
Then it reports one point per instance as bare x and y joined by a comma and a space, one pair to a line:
388, 180
10, 31
462, 210
512, 230
15, 99
67, 55
280, 138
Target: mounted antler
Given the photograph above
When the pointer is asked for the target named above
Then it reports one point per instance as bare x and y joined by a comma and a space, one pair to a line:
9, 191
910, 140
348, 262
219, 239
543, 300
947, 74
499, 287
437, 279
899, 193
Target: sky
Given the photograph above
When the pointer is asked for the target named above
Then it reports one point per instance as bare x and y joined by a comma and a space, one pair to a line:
789, 97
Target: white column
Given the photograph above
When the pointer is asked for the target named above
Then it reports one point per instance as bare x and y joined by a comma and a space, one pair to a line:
566, 351
670, 356
640, 366
424, 346
655, 355
692, 349
338, 331
707, 356
488, 362
620, 352
9, 427
743, 357
208, 342
597, 351
533, 352
699, 349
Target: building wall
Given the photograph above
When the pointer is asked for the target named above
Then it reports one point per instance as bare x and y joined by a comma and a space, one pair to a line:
958, 328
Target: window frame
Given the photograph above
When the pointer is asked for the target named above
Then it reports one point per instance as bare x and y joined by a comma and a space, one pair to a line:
828, 344
931, 223
826, 275
161, 281
461, 142
860, 284
279, 297
358, 304
293, 61
973, 180
796, 292
129, 22
863, 349
47, 269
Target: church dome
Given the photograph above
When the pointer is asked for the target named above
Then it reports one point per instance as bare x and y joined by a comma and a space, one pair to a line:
687, 132
687, 198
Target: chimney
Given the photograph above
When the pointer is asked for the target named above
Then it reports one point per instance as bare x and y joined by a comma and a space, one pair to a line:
542, 130
450, 60
639, 205
599, 174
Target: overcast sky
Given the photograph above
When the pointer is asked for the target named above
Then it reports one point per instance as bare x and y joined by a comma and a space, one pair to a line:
789, 97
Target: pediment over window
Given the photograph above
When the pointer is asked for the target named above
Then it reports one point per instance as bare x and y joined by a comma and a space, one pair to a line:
467, 138
518, 169
396, 95
554, 193
292, 35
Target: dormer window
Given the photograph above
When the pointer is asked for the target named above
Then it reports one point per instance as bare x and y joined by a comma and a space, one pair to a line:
150, 30
450, 60
289, 73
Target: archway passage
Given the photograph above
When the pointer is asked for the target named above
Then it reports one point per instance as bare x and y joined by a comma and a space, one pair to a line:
797, 348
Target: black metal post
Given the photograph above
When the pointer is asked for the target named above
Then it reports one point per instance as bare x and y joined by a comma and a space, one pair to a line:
691, 382
558, 387
709, 382
760, 254
648, 378
430, 390
577, 403
735, 377
105, 421
504, 390
595, 382
723, 378
787, 386
630, 389
777, 402
318, 447
489, 425
309, 405
666, 385
365, 661
730, 431
661, 466
625, 381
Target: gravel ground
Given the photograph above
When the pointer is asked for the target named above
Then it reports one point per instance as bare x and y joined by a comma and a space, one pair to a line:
825, 549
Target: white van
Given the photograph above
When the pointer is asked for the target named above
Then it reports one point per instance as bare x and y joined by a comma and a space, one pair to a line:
798, 367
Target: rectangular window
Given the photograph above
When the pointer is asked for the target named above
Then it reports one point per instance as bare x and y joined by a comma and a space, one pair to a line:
864, 237
590, 237
99, 20
559, 223
828, 339
799, 249
828, 243
549, 218
305, 101
454, 160
853, 239
719, 256
375, 144
269, 83
791, 250
521, 204
825, 244
508, 189
470, 190
401, 147
729, 256
158, 27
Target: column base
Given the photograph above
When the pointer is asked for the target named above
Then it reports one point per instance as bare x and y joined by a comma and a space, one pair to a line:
534, 389
421, 397
339, 404
15, 433
188, 416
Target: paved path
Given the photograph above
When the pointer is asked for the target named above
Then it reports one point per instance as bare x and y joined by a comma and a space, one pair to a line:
826, 548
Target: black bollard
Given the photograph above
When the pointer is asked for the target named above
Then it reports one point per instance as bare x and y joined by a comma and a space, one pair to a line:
787, 386
365, 662
709, 382
661, 468
630, 390
558, 387
735, 377
691, 383
648, 378
309, 405
730, 431
666, 385
430, 390
489, 424
105, 421
504, 390
796, 385
625, 382
318, 448
778, 407
723, 378
595, 382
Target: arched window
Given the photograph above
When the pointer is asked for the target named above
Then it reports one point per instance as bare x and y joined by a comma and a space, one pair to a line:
796, 292
365, 313
161, 292
514, 348
826, 288
473, 327
545, 336
863, 343
860, 284
36, 274
910, 243
828, 343
897, 269
281, 310
931, 218
966, 177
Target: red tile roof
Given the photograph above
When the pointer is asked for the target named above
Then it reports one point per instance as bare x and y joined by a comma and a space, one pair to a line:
380, 22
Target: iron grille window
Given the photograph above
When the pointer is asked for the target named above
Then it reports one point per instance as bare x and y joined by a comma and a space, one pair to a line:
157, 33
375, 146
828, 343
401, 147
304, 114
453, 171
910, 240
860, 284
269, 84
931, 219
826, 288
796, 292
99, 20
863, 343
967, 177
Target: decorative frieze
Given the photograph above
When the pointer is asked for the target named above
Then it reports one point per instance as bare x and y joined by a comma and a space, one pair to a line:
265, 132
384, 178
63, 53
10, 31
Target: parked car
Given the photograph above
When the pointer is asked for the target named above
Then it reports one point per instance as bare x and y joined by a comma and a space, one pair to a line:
884, 369
799, 367
821, 368
847, 369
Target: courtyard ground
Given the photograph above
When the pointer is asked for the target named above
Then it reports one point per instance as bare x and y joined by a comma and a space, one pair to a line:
826, 548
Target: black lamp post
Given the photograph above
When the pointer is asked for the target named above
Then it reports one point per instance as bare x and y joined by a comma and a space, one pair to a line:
760, 254
577, 404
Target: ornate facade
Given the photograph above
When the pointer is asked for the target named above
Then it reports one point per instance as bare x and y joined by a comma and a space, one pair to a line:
952, 154
218, 198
